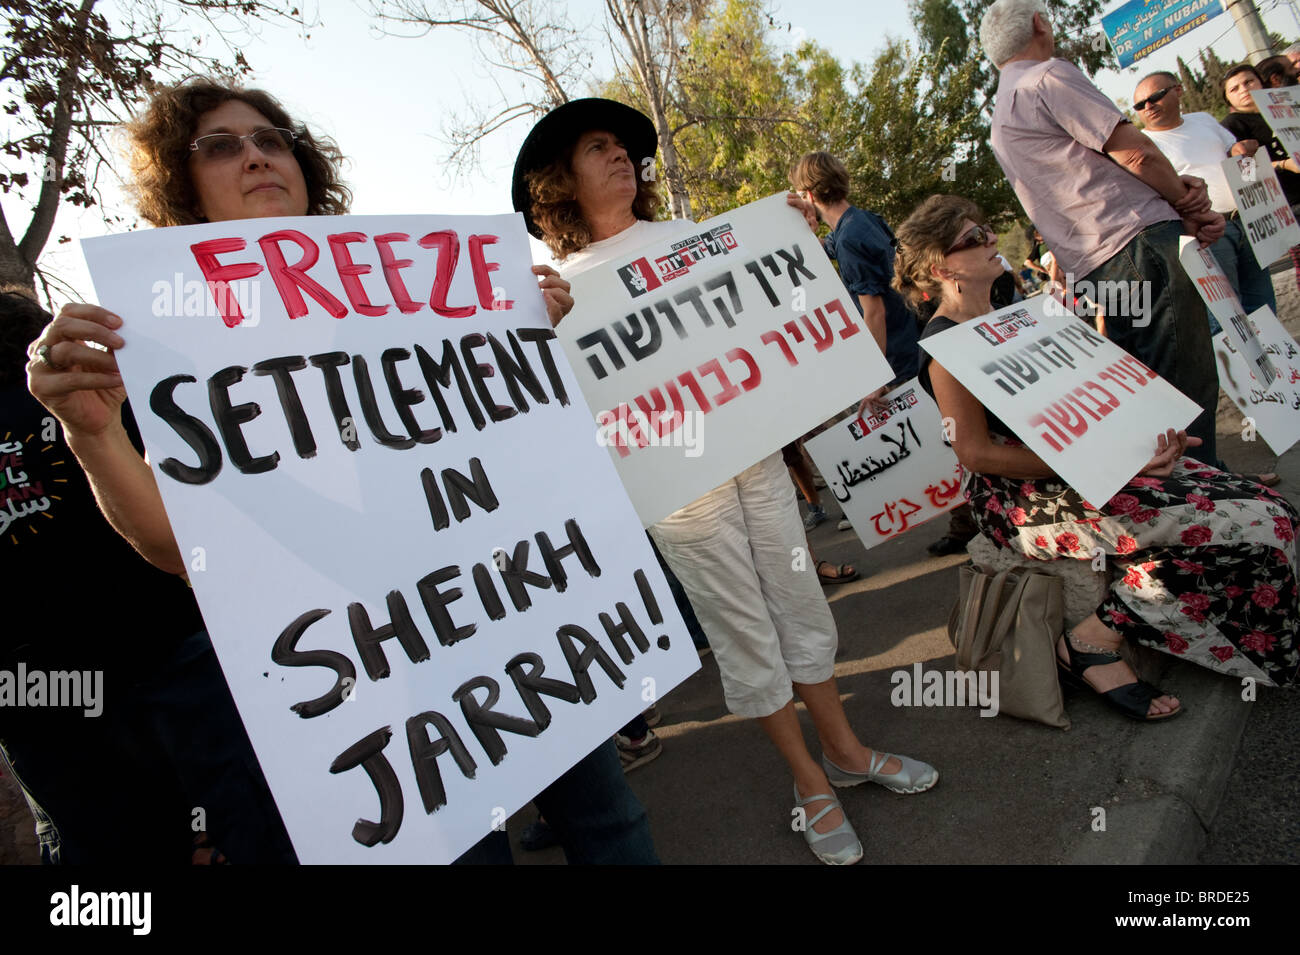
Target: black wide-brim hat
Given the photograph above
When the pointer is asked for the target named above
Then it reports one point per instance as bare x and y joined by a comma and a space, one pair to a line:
557, 131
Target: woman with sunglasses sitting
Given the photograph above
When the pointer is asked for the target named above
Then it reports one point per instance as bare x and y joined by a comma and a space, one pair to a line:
203, 151
1209, 558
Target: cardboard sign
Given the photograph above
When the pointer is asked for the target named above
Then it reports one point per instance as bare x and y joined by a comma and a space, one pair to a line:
381, 473
1266, 216
1271, 408
1085, 406
1204, 270
1281, 110
890, 471
704, 354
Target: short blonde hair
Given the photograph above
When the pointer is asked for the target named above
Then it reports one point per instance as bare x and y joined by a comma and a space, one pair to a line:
823, 175
923, 241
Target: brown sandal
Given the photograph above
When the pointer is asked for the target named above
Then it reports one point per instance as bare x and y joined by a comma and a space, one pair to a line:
842, 575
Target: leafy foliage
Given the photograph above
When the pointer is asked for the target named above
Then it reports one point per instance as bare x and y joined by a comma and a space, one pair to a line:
69, 73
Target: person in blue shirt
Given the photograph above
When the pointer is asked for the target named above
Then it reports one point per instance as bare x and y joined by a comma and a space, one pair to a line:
862, 245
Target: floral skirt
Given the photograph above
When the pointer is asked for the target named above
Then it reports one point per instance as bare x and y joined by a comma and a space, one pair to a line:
1208, 560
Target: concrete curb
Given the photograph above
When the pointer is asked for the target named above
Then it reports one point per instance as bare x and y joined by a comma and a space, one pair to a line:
1172, 778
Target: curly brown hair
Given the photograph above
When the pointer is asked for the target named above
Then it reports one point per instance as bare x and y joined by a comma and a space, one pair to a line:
556, 212
923, 239
160, 140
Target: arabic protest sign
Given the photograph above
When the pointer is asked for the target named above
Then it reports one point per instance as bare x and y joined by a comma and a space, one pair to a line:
1281, 110
1273, 408
1141, 27
892, 470
1204, 270
742, 325
427, 590
1266, 216
1085, 406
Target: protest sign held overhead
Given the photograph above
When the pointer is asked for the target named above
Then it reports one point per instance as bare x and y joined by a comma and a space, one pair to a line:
1216, 290
1085, 406
1272, 409
428, 591
1266, 216
892, 470
704, 354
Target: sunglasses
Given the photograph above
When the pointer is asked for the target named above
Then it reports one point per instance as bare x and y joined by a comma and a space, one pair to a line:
977, 237
217, 147
1153, 98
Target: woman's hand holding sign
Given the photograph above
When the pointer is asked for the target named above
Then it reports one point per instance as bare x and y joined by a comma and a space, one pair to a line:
1170, 446
79, 384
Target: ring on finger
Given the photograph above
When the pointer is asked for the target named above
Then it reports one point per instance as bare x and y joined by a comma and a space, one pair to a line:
43, 355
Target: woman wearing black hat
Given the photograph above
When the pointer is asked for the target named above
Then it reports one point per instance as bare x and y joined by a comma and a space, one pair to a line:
584, 181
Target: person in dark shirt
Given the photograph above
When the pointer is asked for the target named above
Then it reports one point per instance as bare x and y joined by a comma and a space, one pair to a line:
1248, 126
862, 245
154, 761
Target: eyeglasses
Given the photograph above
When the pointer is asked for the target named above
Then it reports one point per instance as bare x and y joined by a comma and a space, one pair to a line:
1153, 98
217, 147
979, 236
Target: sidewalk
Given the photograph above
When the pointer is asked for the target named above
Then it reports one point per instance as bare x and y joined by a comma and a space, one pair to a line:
1010, 791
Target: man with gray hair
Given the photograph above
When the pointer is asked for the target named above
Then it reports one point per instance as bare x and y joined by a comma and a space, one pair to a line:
1107, 201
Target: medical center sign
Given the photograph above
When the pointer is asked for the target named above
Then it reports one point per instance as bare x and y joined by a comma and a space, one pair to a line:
1141, 27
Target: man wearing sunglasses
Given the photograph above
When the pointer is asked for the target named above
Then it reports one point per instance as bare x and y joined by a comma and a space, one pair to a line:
1108, 202
1196, 145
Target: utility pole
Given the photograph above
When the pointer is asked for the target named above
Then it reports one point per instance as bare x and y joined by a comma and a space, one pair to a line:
1253, 35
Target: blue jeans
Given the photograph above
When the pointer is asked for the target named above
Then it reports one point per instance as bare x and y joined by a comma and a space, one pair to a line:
1253, 285
594, 812
1173, 339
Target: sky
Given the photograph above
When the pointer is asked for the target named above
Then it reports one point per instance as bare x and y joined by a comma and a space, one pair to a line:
383, 98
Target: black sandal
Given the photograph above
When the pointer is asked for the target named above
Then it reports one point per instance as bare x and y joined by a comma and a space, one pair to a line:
1131, 699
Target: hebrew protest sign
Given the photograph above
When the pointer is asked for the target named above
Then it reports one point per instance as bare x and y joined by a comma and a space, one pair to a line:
891, 470
1266, 216
739, 335
1281, 110
1085, 406
1205, 272
1271, 408
428, 592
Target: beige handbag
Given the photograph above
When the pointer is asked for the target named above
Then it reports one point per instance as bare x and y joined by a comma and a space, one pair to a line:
1009, 623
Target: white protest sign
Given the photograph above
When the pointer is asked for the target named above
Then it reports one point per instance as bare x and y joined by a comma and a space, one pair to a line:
1272, 409
383, 477
890, 470
1085, 406
1281, 110
1204, 270
741, 324
1266, 216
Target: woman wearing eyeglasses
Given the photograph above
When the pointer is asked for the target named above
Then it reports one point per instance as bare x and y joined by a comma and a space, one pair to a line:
206, 152
1209, 558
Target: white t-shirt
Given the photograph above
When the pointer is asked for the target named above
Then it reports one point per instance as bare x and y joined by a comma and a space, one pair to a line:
634, 236
1197, 147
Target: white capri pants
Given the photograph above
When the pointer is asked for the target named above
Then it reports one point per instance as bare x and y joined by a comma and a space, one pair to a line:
735, 551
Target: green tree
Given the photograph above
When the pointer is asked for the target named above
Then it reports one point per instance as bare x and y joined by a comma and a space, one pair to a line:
68, 74
1203, 89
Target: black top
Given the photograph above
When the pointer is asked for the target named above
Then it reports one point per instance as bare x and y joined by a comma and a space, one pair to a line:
1254, 126
77, 595
941, 324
